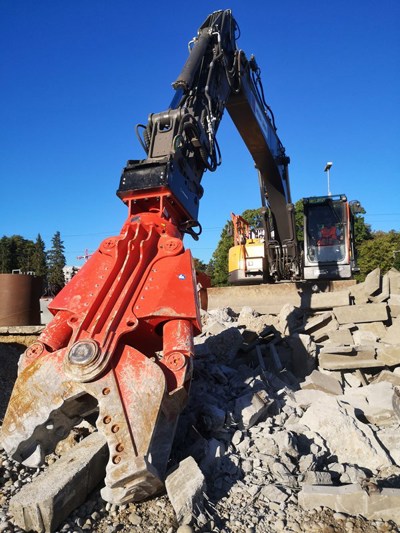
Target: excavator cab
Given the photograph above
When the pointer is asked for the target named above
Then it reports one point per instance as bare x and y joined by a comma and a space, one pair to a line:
328, 238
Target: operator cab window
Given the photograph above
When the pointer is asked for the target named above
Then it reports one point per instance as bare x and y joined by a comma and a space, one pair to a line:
325, 232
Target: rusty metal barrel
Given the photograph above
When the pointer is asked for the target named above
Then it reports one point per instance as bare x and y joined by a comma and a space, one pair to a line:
19, 300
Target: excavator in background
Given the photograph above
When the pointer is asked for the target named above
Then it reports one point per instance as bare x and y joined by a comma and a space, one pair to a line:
328, 249
247, 257
120, 345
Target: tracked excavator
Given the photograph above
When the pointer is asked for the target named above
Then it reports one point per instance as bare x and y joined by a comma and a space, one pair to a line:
327, 253
119, 348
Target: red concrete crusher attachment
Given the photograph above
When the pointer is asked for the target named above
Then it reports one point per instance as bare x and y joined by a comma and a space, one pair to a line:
120, 345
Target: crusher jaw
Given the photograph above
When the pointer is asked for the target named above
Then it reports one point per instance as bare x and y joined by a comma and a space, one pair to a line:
119, 347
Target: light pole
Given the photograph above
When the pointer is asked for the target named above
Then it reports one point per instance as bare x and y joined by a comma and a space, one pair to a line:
327, 169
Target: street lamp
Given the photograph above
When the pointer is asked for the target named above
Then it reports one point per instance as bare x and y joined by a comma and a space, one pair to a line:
327, 169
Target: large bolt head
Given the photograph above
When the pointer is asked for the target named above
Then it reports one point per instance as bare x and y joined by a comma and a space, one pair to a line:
83, 352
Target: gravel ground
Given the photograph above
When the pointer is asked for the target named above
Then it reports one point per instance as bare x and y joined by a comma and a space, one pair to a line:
226, 510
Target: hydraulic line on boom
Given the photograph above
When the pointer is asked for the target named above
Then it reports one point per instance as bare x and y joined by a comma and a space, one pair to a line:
120, 344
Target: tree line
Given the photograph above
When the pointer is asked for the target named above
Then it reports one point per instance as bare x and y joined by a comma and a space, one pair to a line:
373, 248
18, 254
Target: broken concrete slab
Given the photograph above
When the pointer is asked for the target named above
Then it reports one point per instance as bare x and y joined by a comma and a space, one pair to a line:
353, 500
342, 362
274, 494
313, 477
352, 474
44, 503
387, 375
250, 407
346, 437
378, 328
352, 379
361, 313
348, 358
394, 307
388, 354
392, 333
358, 294
384, 294
364, 337
319, 381
372, 282
390, 439
320, 325
305, 398
394, 299
364, 292
327, 300
185, 487
394, 281
340, 337
214, 327
288, 319
374, 401
339, 349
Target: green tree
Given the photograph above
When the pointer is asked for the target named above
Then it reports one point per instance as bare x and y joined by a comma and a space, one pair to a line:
15, 254
253, 217
5, 255
299, 220
378, 251
25, 249
362, 231
199, 265
56, 263
39, 259
396, 261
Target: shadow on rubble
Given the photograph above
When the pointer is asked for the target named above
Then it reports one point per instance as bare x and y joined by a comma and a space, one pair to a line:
9, 357
240, 385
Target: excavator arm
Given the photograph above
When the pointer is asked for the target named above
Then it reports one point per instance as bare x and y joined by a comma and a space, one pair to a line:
120, 344
181, 142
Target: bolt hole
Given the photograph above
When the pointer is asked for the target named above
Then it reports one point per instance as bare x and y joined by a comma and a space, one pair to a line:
107, 419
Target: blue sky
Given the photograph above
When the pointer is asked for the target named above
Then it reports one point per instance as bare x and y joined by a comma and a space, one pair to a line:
77, 75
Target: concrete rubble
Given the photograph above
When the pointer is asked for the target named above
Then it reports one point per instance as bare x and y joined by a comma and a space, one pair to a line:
185, 487
43, 504
315, 428
291, 413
